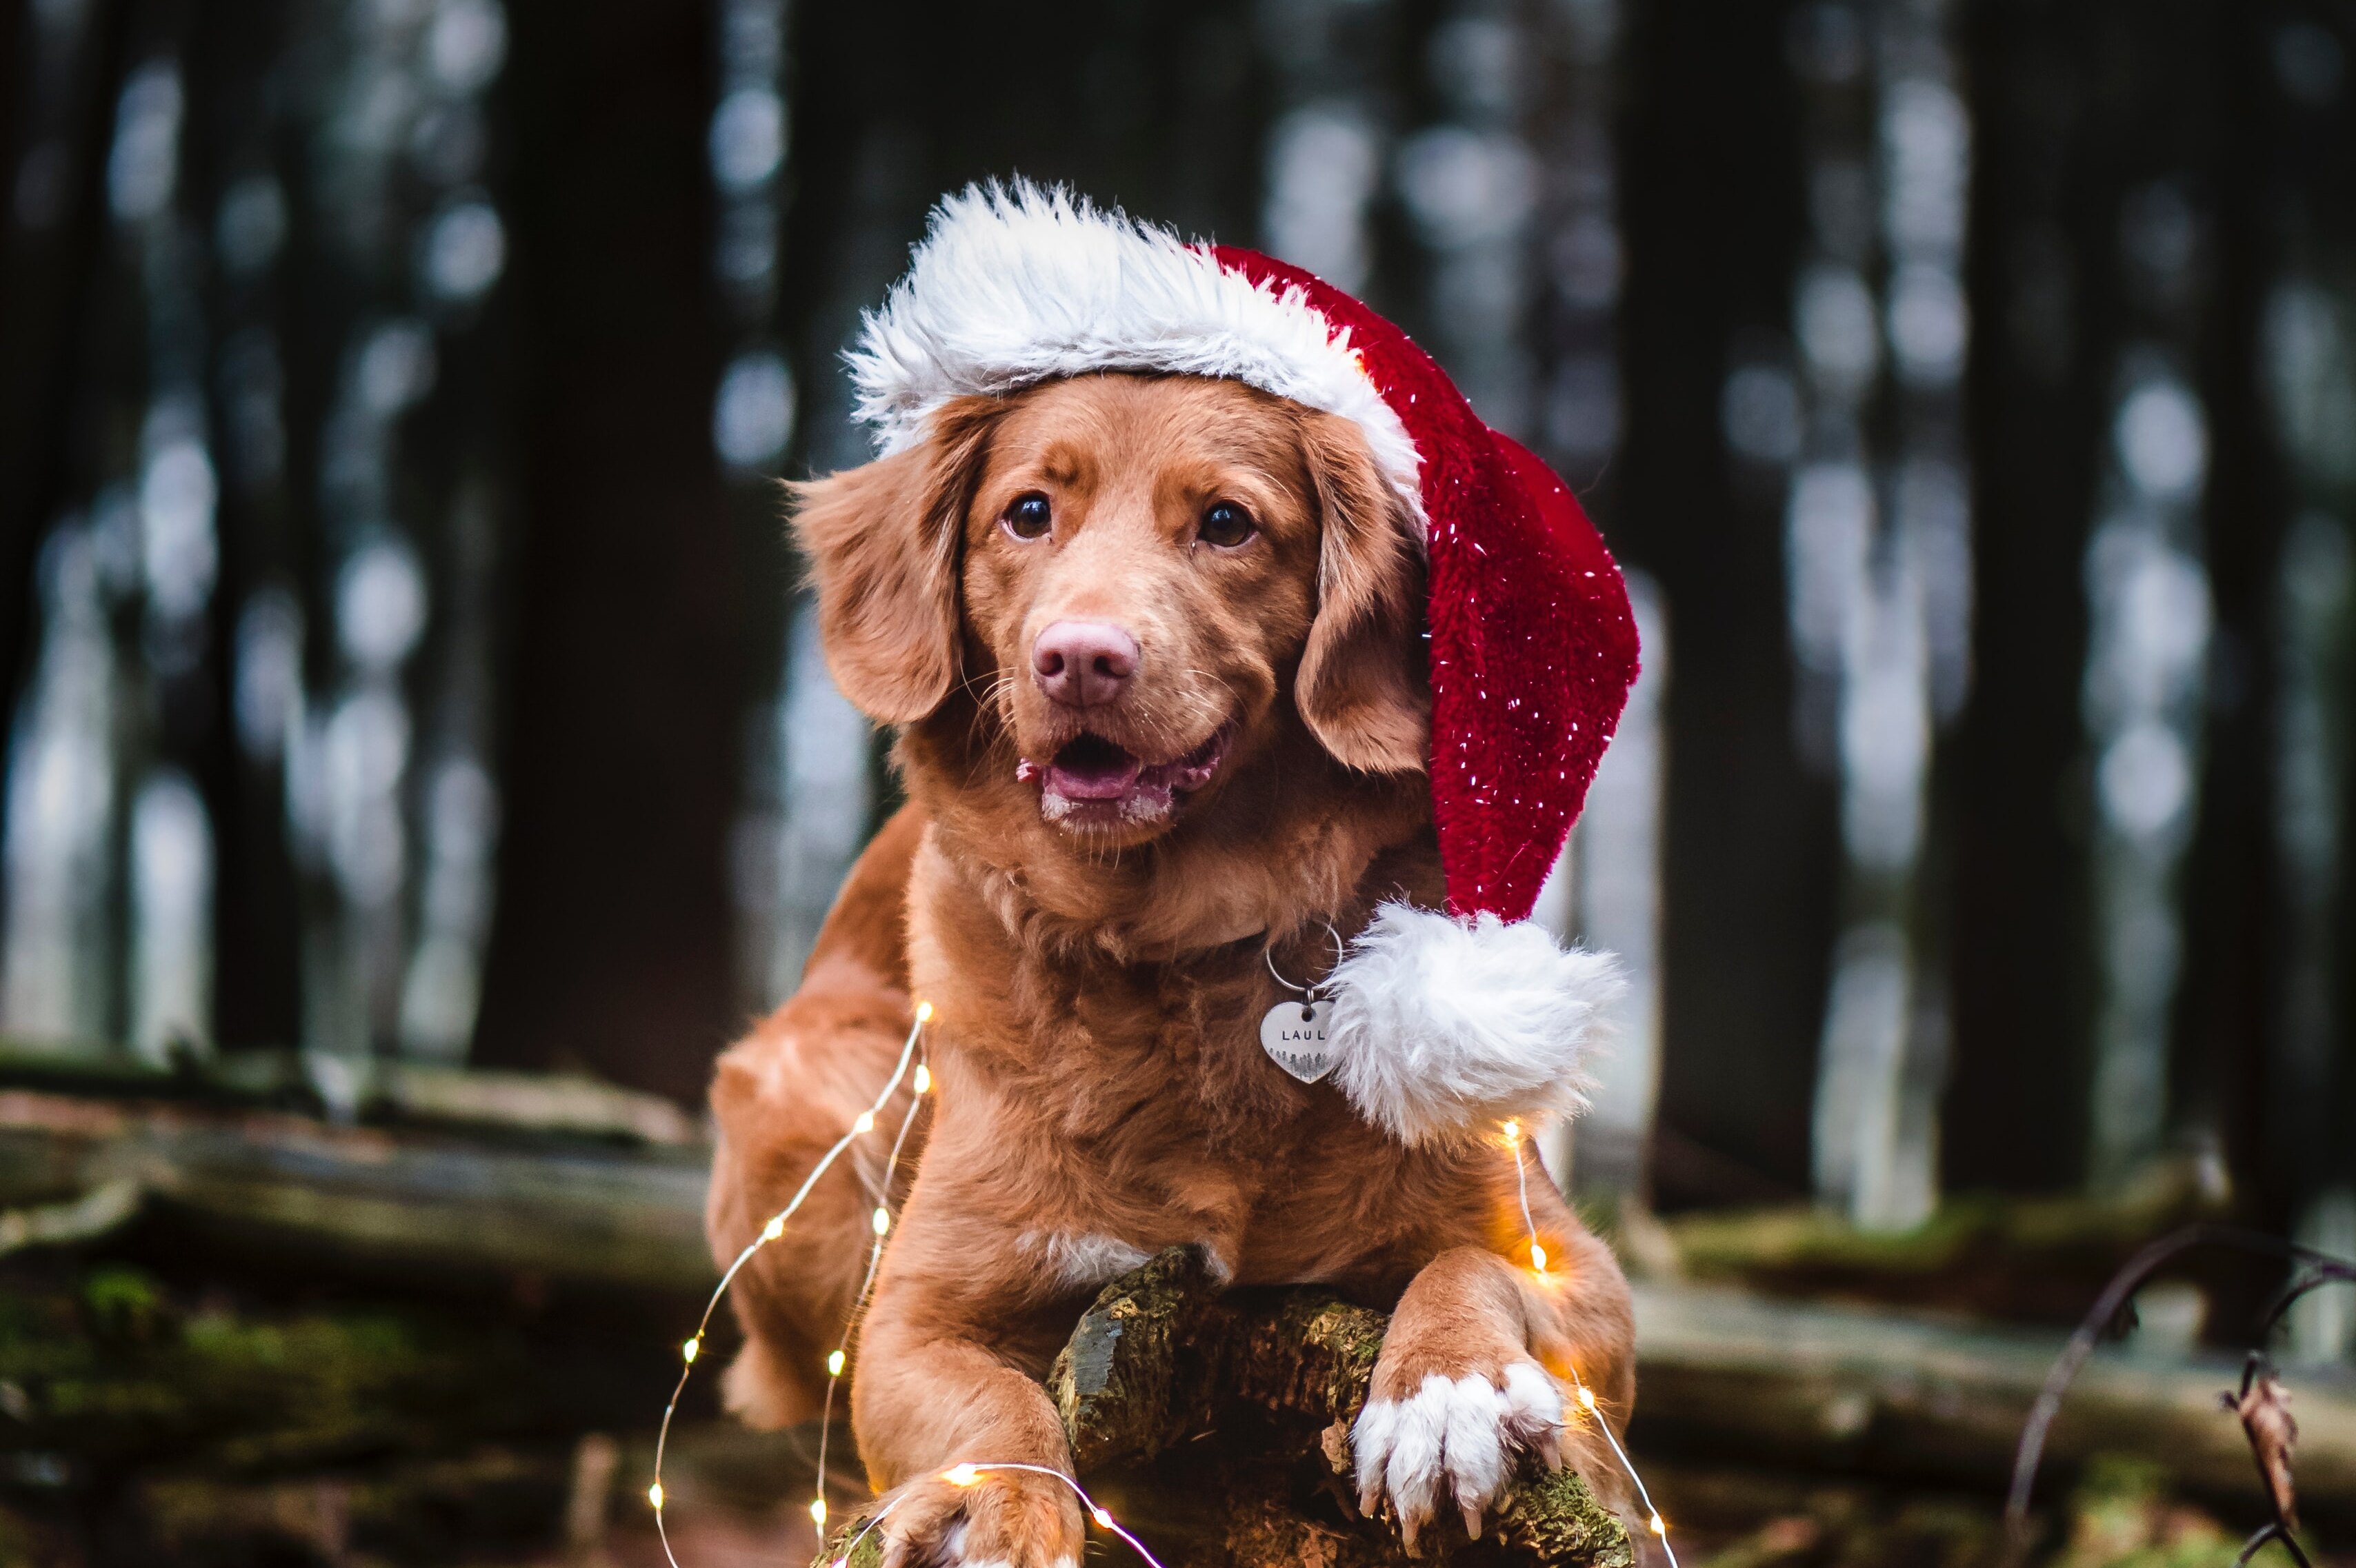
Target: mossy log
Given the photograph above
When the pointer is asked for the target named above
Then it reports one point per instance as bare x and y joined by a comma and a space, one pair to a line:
515, 1183
524, 1199
1217, 1427
2011, 1258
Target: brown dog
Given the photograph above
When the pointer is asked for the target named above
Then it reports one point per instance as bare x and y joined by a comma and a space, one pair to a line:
1153, 645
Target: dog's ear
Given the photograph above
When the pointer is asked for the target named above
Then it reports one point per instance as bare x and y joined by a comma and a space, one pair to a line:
1365, 688
883, 546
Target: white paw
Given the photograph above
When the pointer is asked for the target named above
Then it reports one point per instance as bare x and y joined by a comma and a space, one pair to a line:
1461, 1438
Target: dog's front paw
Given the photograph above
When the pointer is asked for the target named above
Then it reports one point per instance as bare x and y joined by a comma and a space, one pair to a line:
995, 1519
1452, 1437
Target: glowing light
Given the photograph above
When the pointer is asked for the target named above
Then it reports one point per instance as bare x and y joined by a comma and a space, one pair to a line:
923, 1078
1104, 1520
1586, 1398
1537, 1257
960, 1475
775, 1227
1658, 1527
1513, 1131
924, 1012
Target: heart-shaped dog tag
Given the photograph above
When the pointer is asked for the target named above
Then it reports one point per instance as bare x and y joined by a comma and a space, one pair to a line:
1294, 1035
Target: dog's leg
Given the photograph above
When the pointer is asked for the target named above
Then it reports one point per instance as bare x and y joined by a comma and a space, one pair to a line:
1475, 1373
781, 1098
932, 1395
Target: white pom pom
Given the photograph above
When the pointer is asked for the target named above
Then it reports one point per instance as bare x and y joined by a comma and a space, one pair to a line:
1445, 1026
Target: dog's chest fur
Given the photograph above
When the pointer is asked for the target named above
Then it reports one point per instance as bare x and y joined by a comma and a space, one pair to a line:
1120, 1107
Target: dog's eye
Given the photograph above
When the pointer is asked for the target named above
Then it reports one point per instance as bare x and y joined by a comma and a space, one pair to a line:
1029, 516
1225, 523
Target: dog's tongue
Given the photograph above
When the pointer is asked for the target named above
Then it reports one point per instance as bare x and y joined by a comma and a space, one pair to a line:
1099, 772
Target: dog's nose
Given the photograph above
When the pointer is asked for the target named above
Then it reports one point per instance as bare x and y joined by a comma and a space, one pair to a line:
1082, 663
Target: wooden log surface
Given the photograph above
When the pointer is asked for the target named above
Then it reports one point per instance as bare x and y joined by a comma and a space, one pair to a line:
584, 1197
1908, 1394
382, 1198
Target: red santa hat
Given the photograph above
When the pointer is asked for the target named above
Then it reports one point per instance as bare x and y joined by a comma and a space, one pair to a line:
1441, 1021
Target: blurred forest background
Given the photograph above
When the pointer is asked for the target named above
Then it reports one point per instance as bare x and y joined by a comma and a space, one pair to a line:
405, 658
405, 662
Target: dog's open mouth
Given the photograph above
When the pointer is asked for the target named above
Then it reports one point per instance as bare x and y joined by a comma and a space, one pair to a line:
1091, 781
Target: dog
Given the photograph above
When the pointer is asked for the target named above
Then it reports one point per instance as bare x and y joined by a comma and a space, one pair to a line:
1153, 645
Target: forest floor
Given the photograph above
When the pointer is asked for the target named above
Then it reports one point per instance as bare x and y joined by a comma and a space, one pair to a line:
154, 1411
234, 1333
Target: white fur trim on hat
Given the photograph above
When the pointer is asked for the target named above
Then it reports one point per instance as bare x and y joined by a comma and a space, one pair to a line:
1444, 1025
1015, 285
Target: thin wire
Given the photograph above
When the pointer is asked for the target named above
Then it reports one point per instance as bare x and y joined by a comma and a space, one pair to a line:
850, 1546
1522, 1181
775, 1227
770, 1231
1660, 1527
841, 1357
1099, 1514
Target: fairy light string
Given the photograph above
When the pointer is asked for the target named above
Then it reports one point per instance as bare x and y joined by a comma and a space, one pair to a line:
1586, 1396
881, 1223
770, 1231
967, 1474
837, 1359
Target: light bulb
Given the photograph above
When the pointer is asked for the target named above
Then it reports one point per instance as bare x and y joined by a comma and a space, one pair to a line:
1586, 1397
1104, 1520
923, 1078
834, 1363
960, 1475
1513, 1132
773, 1228
1658, 1527
924, 1012
882, 1220
654, 1495
1537, 1257
689, 1350
818, 1512
866, 1124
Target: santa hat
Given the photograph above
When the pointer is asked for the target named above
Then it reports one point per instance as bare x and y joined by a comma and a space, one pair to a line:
1442, 1022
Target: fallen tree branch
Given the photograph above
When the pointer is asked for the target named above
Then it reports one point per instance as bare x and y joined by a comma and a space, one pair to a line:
103, 1208
358, 1089
368, 1197
1725, 1375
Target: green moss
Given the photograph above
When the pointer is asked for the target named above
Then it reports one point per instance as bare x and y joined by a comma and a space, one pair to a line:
1554, 1518
114, 1372
2123, 1516
124, 1303
867, 1554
